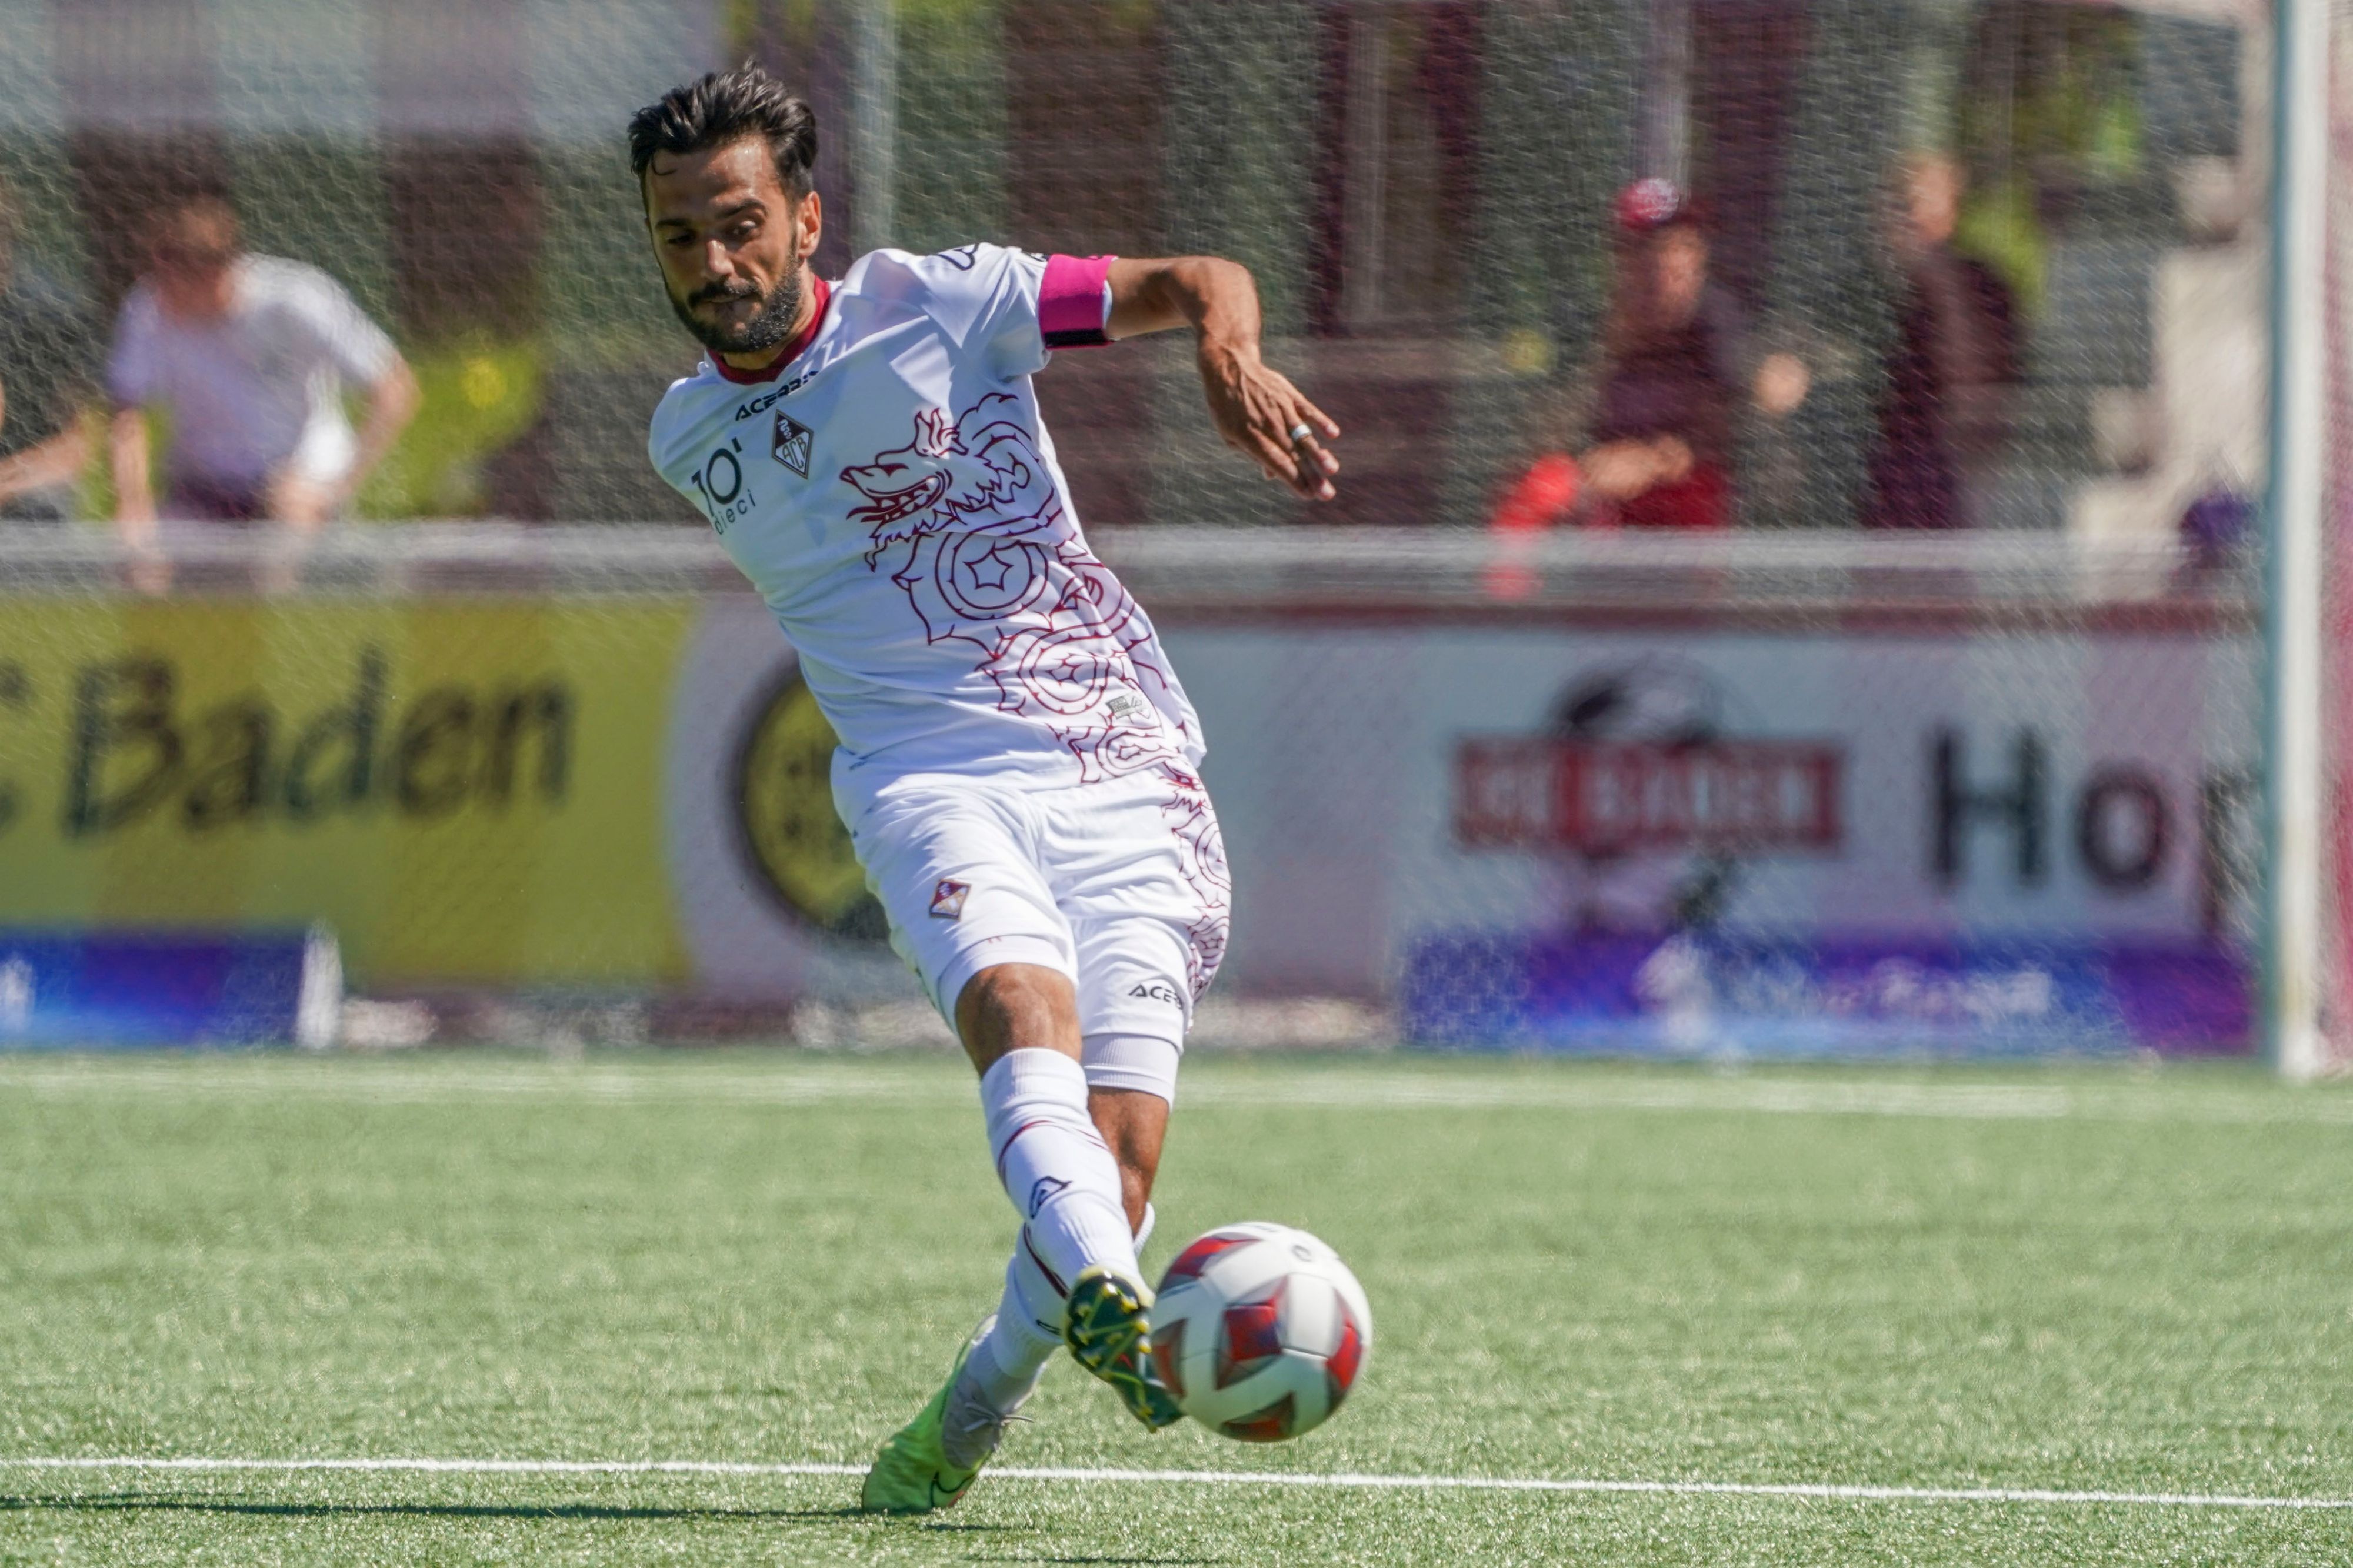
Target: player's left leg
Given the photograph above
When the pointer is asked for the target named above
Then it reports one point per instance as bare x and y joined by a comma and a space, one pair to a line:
956, 864
1017, 1021
1007, 1355
1060, 1174
1140, 874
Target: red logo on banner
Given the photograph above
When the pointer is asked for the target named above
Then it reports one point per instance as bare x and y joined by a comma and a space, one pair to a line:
1606, 797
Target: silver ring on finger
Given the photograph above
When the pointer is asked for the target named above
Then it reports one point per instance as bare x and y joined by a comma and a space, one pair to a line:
1300, 432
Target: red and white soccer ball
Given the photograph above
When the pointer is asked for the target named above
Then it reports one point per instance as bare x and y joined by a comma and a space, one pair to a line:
1259, 1330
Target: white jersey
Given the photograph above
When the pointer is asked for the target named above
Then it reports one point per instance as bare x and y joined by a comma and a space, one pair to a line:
260, 390
889, 487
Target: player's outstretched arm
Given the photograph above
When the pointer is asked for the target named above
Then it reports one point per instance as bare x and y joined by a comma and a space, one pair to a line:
1256, 409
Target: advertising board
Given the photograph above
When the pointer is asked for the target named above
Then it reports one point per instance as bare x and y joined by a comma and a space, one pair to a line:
1688, 839
467, 790
1717, 840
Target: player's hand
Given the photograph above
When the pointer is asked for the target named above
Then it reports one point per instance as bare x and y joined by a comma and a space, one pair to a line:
1257, 409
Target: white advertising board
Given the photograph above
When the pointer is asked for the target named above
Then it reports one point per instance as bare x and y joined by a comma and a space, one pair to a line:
2069, 785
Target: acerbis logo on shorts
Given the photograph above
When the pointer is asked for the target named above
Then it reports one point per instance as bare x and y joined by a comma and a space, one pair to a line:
947, 900
1156, 991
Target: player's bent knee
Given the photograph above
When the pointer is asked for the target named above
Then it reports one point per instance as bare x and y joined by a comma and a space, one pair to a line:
1017, 1007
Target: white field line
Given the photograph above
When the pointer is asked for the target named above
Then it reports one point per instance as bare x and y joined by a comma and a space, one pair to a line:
800, 1084
1341, 1481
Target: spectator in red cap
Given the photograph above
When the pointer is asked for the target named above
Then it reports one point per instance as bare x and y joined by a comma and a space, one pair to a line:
1658, 415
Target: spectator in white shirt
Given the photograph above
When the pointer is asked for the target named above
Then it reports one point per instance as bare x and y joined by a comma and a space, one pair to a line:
251, 356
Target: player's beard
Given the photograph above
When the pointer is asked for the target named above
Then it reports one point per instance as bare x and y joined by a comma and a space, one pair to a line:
770, 327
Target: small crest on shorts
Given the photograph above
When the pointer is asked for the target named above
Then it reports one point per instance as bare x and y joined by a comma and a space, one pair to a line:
947, 900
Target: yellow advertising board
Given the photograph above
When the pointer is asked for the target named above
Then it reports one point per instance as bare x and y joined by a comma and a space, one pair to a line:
468, 790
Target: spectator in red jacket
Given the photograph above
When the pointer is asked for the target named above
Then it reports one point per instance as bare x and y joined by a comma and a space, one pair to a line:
1674, 367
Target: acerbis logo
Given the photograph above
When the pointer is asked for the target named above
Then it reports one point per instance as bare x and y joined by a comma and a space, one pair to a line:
745, 410
769, 399
1156, 991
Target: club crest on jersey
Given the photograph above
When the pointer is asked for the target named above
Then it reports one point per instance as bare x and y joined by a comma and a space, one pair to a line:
792, 442
947, 900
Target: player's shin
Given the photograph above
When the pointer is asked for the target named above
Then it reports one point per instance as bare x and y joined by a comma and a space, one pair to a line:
1056, 1167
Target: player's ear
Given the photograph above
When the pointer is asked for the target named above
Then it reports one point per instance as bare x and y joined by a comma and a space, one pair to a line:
808, 224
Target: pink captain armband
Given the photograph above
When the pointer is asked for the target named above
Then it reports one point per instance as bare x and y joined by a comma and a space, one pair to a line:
1074, 301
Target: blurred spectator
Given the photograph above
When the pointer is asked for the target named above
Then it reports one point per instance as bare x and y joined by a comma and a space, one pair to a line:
1660, 411
1944, 409
46, 386
251, 355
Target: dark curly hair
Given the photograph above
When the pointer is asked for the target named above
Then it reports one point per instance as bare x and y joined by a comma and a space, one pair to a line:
725, 107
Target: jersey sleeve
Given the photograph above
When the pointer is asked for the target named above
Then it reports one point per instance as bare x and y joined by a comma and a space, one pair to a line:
356, 346
1010, 307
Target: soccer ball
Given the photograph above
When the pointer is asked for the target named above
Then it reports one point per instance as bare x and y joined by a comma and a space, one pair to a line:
1259, 1330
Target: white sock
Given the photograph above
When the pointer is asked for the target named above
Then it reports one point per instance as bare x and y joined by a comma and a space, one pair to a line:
1008, 1359
1056, 1167
1010, 1352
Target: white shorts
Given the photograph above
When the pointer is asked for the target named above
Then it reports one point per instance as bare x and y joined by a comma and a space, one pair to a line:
1119, 884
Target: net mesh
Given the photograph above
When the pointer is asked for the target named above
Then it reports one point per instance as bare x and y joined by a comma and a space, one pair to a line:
1799, 455
1428, 193
2333, 1045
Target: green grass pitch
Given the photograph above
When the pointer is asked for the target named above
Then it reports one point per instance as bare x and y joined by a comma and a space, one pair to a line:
2077, 1279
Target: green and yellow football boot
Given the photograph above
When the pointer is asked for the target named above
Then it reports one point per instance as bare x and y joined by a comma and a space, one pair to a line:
913, 1473
1108, 1326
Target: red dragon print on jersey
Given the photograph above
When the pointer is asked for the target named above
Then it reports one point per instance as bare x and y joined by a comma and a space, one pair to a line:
965, 517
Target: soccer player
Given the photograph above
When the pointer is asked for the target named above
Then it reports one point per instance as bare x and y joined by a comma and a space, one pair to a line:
1019, 766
